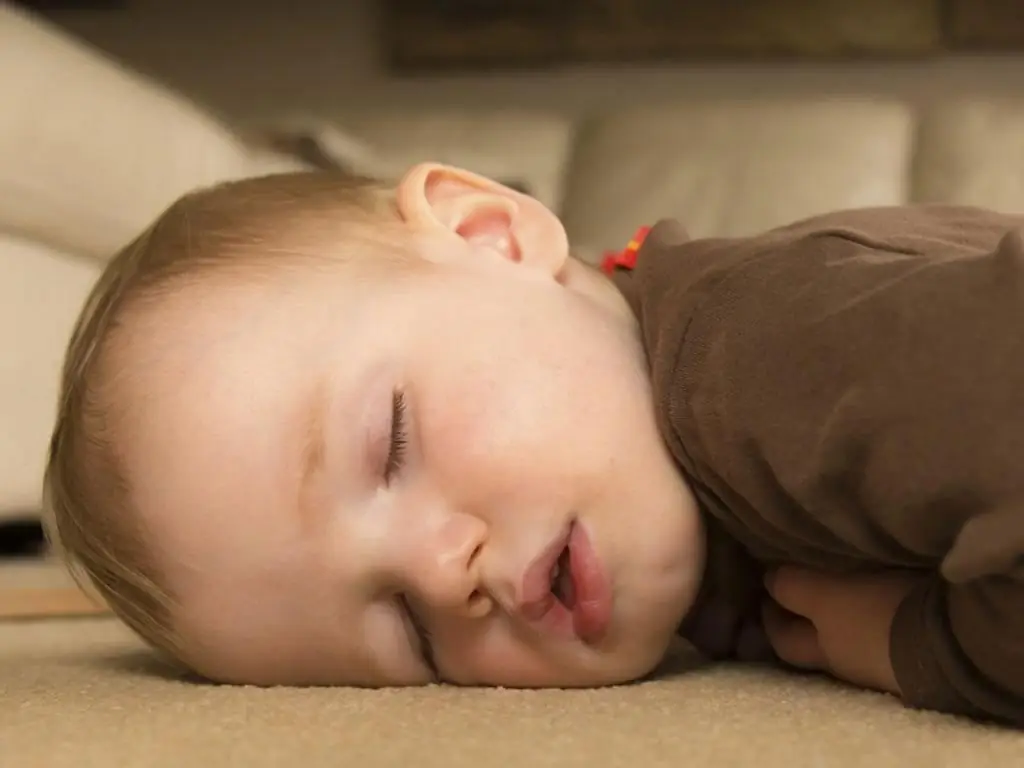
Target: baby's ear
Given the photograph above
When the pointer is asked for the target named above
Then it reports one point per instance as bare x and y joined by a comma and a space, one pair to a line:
487, 215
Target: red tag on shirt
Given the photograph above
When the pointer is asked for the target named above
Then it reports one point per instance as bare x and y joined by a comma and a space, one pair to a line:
626, 258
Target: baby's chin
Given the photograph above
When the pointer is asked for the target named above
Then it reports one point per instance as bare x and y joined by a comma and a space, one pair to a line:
636, 663
637, 648
651, 633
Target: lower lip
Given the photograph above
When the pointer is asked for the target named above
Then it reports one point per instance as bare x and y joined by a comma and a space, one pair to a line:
591, 610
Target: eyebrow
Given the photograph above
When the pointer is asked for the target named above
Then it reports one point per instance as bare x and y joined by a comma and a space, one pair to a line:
313, 455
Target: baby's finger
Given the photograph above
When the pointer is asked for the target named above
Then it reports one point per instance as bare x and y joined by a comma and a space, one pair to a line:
793, 638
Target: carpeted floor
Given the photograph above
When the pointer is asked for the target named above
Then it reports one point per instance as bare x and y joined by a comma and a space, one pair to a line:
83, 692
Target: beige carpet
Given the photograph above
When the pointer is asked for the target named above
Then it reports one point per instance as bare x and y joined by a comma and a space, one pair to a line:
82, 692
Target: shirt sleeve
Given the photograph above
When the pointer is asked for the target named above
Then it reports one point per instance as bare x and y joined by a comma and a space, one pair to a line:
957, 642
849, 394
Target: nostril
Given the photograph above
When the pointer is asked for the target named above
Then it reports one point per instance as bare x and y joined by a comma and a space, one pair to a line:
475, 553
478, 605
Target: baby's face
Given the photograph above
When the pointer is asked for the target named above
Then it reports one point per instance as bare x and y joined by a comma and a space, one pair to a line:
371, 480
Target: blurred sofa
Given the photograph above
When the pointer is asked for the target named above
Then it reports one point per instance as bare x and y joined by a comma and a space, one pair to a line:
90, 152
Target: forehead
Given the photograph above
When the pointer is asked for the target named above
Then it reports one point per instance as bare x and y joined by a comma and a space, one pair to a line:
213, 385
217, 381
211, 378
224, 380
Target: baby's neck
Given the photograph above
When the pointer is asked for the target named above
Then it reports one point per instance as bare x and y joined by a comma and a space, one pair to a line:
724, 620
588, 281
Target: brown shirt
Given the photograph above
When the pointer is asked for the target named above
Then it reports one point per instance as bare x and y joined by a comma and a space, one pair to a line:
847, 393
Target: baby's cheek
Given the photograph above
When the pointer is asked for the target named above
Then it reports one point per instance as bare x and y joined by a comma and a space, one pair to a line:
455, 425
493, 656
479, 443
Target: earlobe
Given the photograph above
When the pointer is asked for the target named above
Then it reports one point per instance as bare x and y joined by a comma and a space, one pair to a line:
489, 216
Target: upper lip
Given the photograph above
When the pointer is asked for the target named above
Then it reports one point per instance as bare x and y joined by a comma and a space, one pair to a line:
535, 590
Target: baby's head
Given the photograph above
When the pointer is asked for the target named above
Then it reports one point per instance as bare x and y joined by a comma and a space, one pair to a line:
315, 430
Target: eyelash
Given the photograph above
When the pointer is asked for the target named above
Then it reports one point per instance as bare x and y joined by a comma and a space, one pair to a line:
399, 438
422, 634
396, 459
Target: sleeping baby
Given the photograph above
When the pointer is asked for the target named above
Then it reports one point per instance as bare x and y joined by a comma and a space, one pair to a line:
319, 430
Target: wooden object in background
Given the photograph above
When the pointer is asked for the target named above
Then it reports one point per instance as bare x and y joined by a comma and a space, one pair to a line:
475, 34
985, 25
44, 6
41, 587
615, 30
42, 602
461, 34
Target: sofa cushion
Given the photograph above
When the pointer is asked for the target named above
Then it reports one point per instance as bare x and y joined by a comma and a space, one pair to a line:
972, 152
91, 151
526, 150
41, 294
729, 168
309, 143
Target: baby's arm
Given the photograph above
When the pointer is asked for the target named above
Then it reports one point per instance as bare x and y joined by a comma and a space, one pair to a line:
849, 393
957, 641
934, 410
955, 648
838, 624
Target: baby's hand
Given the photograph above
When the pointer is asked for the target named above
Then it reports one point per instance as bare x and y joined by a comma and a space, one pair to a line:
836, 624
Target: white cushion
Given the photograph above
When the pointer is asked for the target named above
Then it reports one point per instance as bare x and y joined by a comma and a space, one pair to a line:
729, 168
264, 162
41, 293
972, 153
511, 146
308, 142
91, 152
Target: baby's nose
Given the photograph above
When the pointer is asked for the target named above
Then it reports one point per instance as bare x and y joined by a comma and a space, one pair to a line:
448, 577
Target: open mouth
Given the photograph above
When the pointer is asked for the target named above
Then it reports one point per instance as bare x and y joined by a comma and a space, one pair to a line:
562, 586
566, 589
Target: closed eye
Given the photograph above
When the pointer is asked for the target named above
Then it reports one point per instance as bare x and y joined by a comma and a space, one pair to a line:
399, 439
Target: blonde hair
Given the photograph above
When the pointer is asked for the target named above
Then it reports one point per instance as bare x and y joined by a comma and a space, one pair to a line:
87, 498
